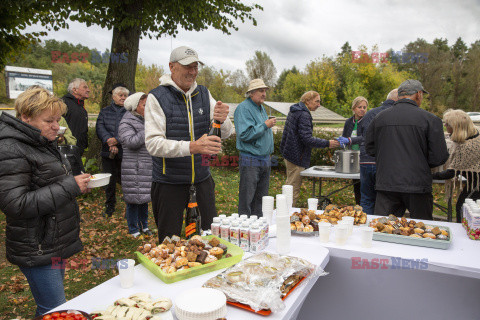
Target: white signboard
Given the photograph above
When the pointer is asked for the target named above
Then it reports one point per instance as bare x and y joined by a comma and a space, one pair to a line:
17, 80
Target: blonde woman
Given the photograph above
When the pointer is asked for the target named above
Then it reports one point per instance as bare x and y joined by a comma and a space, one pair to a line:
37, 194
359, 108
464, 156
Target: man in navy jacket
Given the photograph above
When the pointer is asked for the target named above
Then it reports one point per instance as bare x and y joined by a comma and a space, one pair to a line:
297, 140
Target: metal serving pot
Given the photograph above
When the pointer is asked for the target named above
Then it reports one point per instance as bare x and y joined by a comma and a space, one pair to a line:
347, 161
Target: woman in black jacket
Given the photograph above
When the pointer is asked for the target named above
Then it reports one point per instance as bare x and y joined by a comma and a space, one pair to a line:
464, 157
359, 108
37, 195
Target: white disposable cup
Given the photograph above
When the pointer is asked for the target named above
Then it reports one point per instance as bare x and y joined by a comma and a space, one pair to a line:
287, 190
268, 215
268, 202
312, 204
282, 208
324, 231
350, 221
126, 272
341, 231
283, 235
366, 236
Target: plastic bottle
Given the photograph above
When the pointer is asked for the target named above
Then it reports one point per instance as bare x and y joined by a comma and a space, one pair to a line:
215, 227
235, 233
225, 230
245, 236
255, 235
235, 215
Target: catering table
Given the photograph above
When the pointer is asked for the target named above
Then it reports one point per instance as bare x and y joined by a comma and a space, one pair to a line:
447, 286
106, 293
322, 174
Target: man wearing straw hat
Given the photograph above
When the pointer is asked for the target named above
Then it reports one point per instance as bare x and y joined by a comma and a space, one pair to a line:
255, 143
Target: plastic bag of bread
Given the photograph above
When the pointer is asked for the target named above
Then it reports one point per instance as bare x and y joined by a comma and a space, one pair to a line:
262, 280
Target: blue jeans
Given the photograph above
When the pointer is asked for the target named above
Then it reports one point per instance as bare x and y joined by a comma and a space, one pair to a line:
367, 187
46, 284
137, 217
254, 183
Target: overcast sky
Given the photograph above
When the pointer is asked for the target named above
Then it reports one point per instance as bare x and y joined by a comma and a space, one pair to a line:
295, 32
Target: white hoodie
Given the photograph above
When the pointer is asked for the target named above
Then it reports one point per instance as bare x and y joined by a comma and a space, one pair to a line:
155, 125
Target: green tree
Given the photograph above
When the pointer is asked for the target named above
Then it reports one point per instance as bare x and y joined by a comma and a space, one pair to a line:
277, 91
261, 66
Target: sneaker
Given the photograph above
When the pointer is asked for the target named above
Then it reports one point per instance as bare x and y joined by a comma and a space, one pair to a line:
135, 235
147, 232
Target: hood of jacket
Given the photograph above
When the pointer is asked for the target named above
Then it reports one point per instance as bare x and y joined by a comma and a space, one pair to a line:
299, 107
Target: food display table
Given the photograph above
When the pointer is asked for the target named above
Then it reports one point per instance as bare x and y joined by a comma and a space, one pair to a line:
445, 285
327, 174
106, 293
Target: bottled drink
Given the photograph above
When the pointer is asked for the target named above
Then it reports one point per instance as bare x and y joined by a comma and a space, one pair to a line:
255, 235
235, 233
225, 230
193, 221
245, 236
215, 228
215, 130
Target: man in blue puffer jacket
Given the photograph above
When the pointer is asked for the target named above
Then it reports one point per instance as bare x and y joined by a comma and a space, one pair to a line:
107, 131
297, 140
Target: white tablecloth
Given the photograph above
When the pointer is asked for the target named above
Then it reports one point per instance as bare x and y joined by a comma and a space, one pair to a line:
109, 291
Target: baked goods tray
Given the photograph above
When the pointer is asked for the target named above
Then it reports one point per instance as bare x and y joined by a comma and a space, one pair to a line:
412, 241
235, 251
301, 233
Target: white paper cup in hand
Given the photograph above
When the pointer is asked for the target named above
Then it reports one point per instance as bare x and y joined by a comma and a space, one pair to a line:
367, 236
341, 231
312, 204
324, 231
350, 221
126, 272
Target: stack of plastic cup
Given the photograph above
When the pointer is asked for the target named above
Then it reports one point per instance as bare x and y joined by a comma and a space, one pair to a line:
267, 208
349, 221
283, 225
312, 204
287, 190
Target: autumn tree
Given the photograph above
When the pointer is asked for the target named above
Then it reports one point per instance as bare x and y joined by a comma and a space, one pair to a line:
261, 66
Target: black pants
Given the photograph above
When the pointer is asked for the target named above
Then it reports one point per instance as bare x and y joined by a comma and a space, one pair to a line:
170, 200
420, 205
113, 166
356, 191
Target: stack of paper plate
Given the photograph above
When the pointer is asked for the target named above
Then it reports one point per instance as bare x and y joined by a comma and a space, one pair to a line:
201, 304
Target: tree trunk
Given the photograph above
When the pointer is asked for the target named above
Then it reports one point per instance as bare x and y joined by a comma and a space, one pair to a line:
123, 61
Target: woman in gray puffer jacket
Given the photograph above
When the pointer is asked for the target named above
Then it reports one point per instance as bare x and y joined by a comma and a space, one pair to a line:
136, 164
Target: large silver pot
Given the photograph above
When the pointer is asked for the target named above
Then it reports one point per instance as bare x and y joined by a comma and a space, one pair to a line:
347, 161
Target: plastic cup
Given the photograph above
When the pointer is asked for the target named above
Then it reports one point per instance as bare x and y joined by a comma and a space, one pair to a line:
350, 221
366, 236
312, 204
341, 233
287, 190
282, 207
324, 231
126, 272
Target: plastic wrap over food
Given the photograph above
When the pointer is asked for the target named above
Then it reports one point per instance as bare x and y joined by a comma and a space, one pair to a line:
262, 280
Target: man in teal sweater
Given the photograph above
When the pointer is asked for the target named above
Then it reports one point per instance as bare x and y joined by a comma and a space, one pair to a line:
255, 143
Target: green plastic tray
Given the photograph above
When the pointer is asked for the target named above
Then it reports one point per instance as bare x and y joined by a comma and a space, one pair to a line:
235, 251
421, 242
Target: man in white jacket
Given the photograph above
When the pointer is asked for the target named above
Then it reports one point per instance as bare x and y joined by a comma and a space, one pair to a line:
178, 115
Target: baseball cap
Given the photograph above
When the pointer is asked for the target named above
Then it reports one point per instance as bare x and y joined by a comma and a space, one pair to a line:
409, 87
184, 55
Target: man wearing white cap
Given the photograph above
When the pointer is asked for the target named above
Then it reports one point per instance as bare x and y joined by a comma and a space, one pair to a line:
178, 114
255, 143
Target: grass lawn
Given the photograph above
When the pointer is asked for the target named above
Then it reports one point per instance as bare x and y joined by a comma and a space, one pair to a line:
109, 240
